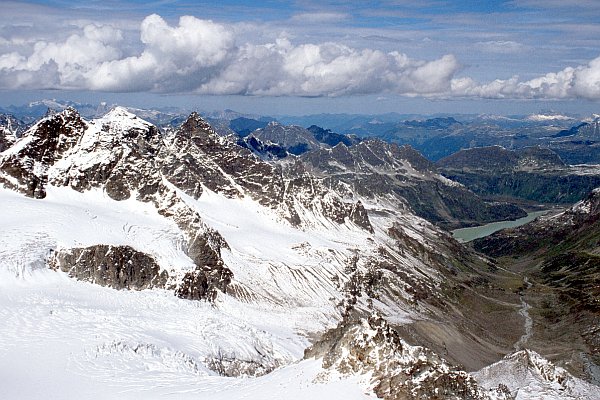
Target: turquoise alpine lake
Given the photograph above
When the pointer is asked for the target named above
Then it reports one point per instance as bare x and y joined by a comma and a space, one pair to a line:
475, 232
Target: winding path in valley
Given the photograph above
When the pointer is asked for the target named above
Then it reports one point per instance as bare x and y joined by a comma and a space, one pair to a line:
524, 312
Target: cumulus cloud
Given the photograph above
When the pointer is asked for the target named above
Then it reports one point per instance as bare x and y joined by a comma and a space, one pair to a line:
580, 82
328, 69
62, 64
202, 56
174, 58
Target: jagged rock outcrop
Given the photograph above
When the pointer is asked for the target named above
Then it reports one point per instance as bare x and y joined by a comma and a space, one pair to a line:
119, 267
10, 129
7, 139
24, 167
12, 124
397, 370
195, 156
205, 282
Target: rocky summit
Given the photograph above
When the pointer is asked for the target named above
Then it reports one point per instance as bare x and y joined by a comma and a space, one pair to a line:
204, 260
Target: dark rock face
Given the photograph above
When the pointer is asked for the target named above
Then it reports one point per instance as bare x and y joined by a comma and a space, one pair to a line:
26, 168
266, 151
331, 138
531, 173
119, 267
375, 169
122, 267
204, 283
398, 370
6, 139
10, 130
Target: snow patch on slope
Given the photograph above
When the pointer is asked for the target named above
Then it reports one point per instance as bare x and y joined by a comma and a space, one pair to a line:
548, 117
32, 228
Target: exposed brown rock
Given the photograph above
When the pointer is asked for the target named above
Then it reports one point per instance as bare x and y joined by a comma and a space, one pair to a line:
399, 371
119, 267
26, 169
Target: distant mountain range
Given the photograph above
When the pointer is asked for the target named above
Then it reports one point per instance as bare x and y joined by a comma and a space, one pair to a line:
574, 141
536, 174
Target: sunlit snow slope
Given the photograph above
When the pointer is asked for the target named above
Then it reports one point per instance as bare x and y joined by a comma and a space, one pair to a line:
75, 339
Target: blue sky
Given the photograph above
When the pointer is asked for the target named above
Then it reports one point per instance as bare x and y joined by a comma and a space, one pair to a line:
306, 56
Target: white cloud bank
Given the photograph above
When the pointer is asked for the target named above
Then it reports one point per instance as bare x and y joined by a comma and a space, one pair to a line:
201, 56
579, 82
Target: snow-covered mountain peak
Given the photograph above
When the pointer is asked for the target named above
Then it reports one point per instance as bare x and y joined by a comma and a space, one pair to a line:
528, 375
67, 117
24, 166
121, 119
590, 205
119, 112
195, 124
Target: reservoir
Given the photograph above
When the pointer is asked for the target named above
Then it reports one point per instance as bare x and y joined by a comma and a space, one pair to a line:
476, 232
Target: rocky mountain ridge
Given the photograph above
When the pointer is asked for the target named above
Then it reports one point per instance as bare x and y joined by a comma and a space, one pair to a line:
11, 129
127, 156
401, 177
